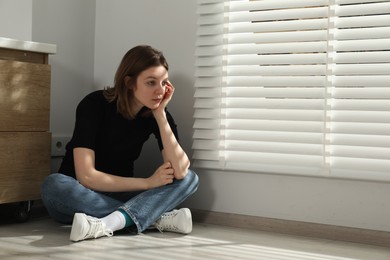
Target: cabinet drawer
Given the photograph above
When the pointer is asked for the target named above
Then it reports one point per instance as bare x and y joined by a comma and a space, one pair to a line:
26, 56
24, 163
24, 96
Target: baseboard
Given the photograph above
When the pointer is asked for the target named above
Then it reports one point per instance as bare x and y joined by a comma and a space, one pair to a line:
347, 234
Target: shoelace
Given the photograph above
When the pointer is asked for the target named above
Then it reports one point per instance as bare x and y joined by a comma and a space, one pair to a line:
97, 229
165, 223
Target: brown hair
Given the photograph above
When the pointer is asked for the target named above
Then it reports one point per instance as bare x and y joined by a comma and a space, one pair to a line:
135, 61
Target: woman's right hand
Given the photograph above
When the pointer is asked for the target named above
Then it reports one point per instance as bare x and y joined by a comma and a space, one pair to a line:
162, 176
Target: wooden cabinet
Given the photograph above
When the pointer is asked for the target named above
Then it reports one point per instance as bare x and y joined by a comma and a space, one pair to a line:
25, 138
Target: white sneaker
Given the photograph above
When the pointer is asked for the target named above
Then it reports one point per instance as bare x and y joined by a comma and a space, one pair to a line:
85, 227
179, 221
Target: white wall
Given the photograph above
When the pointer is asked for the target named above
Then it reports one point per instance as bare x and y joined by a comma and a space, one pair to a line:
16, 19
170, 25
317, 200
71, 26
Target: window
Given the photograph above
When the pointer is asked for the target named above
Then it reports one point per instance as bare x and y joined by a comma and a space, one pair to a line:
293, 87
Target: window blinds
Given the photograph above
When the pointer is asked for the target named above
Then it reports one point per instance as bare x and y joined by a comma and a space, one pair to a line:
293, 87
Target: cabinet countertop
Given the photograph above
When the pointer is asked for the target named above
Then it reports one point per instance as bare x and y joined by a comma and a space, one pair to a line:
27, 46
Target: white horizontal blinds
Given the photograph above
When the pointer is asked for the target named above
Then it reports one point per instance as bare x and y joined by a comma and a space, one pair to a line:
291, 86
276, 74
209, 73
360, 138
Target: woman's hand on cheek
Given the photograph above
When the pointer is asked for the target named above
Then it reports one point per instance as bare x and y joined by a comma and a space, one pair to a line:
169, 89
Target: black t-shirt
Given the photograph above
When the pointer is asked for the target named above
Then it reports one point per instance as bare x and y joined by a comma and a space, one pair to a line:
116, 141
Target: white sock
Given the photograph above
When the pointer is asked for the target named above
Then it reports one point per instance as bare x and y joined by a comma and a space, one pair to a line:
115, 221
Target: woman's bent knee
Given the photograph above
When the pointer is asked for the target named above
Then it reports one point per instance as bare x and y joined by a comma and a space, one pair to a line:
192, 180
52, 183
52, 195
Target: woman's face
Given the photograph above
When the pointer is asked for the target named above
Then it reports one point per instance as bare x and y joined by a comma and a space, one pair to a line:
150, 88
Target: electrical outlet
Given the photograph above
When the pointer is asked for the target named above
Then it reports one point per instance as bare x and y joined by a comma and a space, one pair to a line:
58, 144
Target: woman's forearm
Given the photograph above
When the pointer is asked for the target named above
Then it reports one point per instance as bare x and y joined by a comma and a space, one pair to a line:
104, 182
93, 179
172, 152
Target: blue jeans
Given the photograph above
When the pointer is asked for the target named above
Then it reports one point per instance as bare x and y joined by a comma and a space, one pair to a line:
63, 196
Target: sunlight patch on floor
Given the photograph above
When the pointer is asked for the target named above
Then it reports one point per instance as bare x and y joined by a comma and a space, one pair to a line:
152, 247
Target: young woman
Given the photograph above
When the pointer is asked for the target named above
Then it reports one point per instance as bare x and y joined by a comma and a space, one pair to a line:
95, 186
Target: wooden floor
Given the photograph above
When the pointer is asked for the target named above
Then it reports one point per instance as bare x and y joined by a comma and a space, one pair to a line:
42, 238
